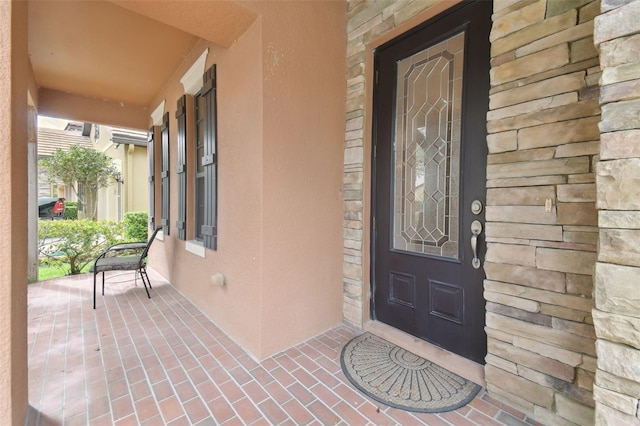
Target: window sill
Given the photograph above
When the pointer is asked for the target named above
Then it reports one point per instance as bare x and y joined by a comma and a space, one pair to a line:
195, 247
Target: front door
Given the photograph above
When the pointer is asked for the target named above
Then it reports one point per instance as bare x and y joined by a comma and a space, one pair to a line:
430, 104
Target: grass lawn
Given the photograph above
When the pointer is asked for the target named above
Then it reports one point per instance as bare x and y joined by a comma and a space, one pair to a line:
49, 272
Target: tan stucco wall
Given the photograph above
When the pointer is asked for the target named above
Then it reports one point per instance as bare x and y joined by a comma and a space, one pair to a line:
136, 180
235, 307
133, 164
14, 71
280, 123
32, 95
303, 60
107, 203
53, 103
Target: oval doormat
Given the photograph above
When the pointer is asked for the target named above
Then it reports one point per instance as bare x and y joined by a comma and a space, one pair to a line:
401, 379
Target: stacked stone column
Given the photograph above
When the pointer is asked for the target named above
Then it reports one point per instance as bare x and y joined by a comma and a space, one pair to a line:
617, 282
541, 229
366, 21
563, 192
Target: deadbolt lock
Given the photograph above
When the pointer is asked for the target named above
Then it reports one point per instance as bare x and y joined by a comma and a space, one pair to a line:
476, 207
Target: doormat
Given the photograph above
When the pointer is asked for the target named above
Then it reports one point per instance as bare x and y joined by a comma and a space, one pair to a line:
401, 379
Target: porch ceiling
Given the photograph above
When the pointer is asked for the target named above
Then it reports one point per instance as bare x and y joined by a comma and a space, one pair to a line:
123, 52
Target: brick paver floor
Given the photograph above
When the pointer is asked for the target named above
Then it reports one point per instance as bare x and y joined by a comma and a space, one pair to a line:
161, 361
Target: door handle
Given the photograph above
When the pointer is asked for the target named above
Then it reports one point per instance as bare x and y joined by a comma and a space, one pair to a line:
476, 229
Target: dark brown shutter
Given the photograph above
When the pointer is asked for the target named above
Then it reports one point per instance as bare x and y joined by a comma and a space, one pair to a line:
165, 173
152, 186
181, 168
209, 229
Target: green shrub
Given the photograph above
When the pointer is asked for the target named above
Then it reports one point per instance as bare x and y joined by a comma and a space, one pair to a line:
136, 226
73, 244
71, 210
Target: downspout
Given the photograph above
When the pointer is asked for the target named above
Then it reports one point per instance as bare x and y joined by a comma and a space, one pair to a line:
130, 178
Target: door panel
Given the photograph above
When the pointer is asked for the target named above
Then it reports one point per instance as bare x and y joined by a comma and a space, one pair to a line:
430, 103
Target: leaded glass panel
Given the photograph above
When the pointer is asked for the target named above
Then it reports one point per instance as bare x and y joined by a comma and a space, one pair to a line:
427, 150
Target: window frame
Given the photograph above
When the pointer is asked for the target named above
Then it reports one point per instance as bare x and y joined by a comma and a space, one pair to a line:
165, 174
181, 166
209, 228
199, 174
152, 186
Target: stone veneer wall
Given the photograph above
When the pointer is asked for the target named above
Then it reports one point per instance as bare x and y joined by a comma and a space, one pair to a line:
543, 144
366, 20
617, 283
541, 226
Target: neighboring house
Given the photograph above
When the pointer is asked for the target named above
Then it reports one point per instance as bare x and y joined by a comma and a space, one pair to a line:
291, 168
49, 140
128, 149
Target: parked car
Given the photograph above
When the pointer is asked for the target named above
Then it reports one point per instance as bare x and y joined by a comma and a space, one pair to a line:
51, 208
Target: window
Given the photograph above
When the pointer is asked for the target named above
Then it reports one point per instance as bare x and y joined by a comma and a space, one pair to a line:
152, 186
165, 174
200, 175
206, 199
181, 168
197, 165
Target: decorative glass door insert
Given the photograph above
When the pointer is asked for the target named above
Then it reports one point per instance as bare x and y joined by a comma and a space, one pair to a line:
427, 150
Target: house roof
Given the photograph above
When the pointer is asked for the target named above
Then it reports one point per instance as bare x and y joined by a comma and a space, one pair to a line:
51, 139
128, 136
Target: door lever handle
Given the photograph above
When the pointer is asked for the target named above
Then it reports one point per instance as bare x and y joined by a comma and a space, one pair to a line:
476, 229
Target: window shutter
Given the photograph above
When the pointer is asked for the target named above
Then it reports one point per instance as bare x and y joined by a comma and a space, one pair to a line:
165, 173
181, 168
152, 186
209, 229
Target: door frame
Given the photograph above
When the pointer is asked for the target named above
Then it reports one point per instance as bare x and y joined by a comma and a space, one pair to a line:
449, 360
467, 337
367, 207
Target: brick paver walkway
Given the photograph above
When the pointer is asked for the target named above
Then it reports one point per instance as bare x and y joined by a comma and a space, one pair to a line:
161, 361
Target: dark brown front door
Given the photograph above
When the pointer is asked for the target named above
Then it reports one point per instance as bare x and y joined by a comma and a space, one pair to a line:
430, 105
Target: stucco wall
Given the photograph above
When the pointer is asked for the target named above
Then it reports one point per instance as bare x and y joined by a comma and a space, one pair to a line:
57, 104
107, 202
235, 307
303, 81
134, 168
280, 114
136, 183
14, 72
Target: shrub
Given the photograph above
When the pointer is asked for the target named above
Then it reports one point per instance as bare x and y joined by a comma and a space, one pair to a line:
73, 244
71, 210
136, 226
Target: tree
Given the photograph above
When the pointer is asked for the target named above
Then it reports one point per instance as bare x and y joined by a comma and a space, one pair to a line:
76, 243
86, 167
